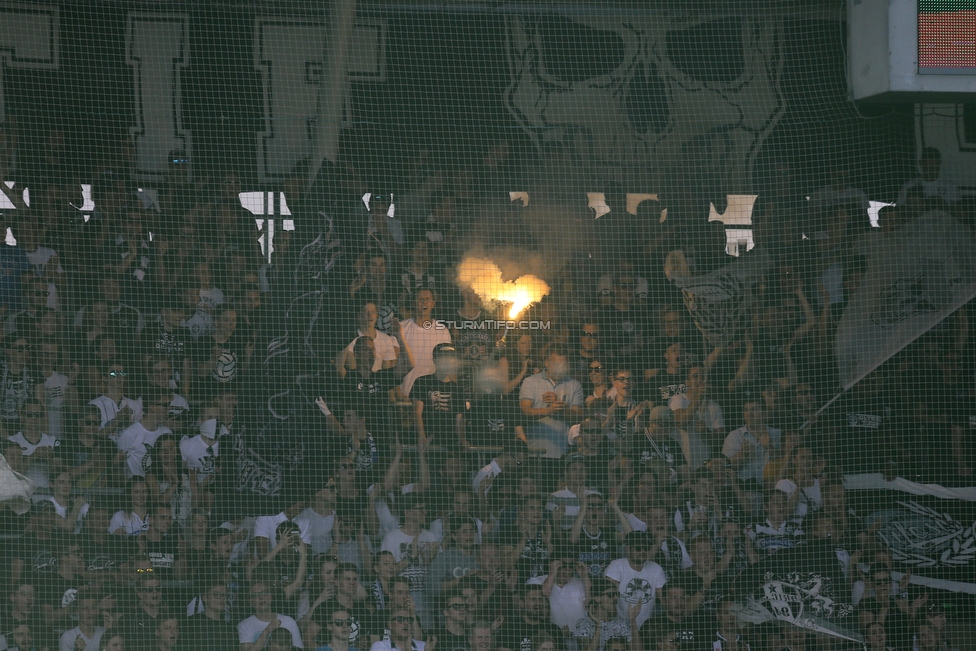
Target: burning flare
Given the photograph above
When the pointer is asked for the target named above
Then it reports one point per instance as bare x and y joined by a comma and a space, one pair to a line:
485, 279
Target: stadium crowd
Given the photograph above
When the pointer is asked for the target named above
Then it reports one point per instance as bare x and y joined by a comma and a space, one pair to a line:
332, 451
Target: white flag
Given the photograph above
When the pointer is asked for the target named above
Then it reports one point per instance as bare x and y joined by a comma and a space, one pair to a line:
916, 276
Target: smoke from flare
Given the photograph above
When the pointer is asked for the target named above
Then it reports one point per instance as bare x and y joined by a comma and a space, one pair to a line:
484, 277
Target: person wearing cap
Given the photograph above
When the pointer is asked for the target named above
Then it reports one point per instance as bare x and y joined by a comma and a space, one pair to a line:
636, 578
437, 399
662, 446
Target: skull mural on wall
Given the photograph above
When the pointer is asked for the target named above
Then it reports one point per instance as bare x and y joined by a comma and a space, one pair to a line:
650, 95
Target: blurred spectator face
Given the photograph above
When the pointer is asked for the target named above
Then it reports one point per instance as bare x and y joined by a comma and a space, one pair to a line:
488, 556
260, 596
401, 624
37, 293
47, 355
621, 382
376, 269
465, 535
340, 625
385, 566
462, 502
596, 513
87, 611
672, 325
160, 374
417, 513
18, 352
876, 637
557, 366
215, 599
481, 639
22, 637
777, 506
34, 417
536, 605
524, 345
590, 337
624, 286
673, 356
754, 415
696, 378
162, 519
702, 555
368, 316
139, 493
23, 598
425, 303
400, 594
678, 603
349, 583
456, 609
226, 323
168, 632
115, 644
532, 512
726, 617
668, 642
575, 474
149, 593
471, 598
223, 546
598, 373
226, 404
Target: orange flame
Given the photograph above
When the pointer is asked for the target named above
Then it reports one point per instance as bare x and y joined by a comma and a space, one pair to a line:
484, 277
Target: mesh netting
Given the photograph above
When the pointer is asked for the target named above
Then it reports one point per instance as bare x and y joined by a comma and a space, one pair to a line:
478, 327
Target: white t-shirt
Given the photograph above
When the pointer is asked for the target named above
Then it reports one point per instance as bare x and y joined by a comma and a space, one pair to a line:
265, 526
110, 408
319, 529
636, 587
27, 448
491, 470
196, 456
421, 341
398, 543
68, 638
567, 604
570, 501
709, 414
250, 629
387, 645
63, 511
756, 461
385, 349
130, 523
135, 441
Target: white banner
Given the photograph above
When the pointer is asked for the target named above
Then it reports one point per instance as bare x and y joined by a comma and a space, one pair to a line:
916, 276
